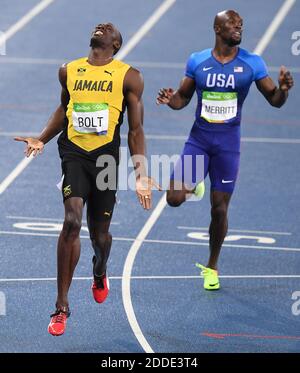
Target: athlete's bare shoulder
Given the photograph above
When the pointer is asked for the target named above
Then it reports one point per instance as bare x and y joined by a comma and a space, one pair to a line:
133, 79
133, 73
62, 74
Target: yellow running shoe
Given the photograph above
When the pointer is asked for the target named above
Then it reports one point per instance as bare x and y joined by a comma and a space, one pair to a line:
199, 190
211, 279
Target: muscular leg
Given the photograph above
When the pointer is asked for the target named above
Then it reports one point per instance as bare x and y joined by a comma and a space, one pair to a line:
101, 241
68, 249
218, 226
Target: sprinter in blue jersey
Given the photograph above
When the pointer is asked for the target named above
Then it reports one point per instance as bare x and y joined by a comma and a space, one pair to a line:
221, 77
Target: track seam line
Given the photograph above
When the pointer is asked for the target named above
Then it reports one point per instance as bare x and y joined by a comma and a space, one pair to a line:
169, 242
274, 26
145, 64
266, 140
15, 173
88, 278
235, 230
3, 39
24, 20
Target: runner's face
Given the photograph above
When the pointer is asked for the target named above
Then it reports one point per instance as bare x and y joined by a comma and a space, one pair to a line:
104, 34
232, 29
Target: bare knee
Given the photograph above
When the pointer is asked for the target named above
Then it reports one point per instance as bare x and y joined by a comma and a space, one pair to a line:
72, 225
219, 212
175, 199
102, 240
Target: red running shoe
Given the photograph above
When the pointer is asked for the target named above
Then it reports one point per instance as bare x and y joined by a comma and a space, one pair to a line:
100, 288
58, 322
100, 285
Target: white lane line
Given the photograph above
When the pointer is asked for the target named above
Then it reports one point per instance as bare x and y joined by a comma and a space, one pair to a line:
30, 218
236, 230
32, 61
276, 69
14, 134
5, 36
15, 173
146, 27
274, 25
41, 279
165, 242
271, 140
144, 64
36, 234
42, 219
128, 269
180, 65
126, 295
189, 243
221, 276
3, 39
263, 140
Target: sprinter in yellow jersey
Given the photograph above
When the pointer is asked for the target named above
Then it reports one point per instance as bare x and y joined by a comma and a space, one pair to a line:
96, 90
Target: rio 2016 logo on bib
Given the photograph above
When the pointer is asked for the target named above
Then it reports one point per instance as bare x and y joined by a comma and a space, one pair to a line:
90, 118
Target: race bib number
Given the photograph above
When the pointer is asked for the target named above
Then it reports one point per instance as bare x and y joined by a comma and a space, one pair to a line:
90, 118
219, 107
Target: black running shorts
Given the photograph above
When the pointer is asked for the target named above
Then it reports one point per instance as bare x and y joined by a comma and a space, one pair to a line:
79, 180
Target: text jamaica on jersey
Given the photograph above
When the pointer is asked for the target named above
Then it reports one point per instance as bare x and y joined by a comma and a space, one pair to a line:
91, 85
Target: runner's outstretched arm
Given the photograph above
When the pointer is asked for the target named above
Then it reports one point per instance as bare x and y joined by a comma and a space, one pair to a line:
55, 123
177, 99
133, 90
276, 96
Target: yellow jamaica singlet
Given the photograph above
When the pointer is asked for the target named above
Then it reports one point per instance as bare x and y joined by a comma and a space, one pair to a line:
96, 106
